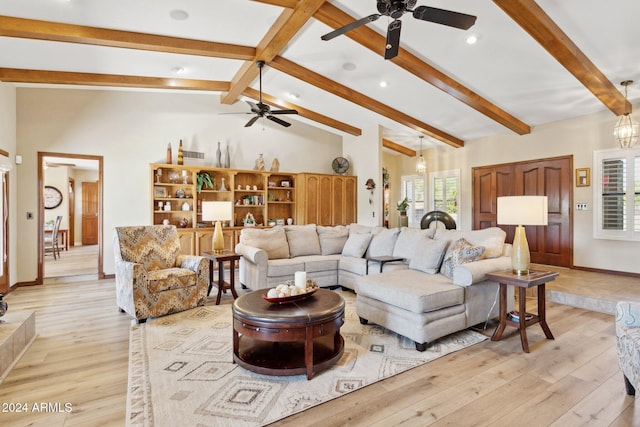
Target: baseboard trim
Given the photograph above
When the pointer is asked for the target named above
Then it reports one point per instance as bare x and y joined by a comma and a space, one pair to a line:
603, 271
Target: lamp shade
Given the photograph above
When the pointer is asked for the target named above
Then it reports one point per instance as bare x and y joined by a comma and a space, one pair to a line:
216, 211
523, 210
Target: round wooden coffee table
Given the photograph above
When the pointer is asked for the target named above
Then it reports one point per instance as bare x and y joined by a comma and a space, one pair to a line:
301, 337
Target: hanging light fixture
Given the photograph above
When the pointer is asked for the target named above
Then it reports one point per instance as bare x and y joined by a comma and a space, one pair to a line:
626, 130
421, 165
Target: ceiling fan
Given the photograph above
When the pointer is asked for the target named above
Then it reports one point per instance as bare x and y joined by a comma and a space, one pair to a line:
263, 110
395, 9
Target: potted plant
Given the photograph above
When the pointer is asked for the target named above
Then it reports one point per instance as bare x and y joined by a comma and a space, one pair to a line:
403, 205
203, 179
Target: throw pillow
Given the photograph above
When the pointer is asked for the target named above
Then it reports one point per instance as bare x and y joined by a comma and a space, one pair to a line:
271, 240
383, 241
332, 239
460, 252
430, 253
356, 245
303, 240
355, 228
491, 238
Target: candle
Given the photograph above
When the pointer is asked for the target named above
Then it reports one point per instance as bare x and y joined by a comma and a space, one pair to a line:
301, 280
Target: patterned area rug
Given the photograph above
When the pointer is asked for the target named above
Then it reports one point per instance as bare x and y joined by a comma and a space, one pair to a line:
181, 370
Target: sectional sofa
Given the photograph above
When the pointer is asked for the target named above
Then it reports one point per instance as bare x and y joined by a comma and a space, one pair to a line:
438, 287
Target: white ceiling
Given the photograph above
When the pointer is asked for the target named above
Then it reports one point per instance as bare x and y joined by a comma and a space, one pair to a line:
506, 66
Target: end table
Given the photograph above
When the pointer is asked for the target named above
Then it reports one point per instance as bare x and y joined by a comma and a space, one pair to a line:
220, 258
522, 282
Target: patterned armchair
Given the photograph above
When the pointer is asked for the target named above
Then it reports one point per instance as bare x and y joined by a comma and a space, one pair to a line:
152, 279
628, 343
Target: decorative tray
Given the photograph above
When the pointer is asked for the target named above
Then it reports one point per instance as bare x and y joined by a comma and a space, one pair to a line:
515, 315
292, 298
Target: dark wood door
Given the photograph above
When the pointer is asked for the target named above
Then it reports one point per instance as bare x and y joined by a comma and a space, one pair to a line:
90, 213
551, 244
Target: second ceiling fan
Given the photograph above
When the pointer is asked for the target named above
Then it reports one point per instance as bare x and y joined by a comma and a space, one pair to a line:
395, 9
263, 110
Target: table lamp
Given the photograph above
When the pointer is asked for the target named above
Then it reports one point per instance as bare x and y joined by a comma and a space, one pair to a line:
217, 211
520, 211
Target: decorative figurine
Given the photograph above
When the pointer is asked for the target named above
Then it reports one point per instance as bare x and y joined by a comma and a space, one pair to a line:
275, 165
259, 163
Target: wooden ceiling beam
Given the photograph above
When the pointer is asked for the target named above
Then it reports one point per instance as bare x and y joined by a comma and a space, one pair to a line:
69, 33
546, 32
336, 18
387, 143
303, 112
279, 35
315, 79
14, 75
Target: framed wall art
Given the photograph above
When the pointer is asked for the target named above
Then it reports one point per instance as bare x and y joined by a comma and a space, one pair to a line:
583, 177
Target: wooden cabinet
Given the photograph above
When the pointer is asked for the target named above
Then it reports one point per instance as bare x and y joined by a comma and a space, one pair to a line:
328, 199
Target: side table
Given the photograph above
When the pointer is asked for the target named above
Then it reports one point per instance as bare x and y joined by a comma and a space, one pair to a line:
382, 260
534, 278
220, 258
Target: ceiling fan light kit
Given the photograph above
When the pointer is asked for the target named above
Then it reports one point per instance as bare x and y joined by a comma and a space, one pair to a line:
626, 130
395, 9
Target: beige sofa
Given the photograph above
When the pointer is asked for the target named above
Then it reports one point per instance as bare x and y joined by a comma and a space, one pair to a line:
437, 289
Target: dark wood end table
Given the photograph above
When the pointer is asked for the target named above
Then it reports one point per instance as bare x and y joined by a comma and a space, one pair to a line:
382, 260
220, 258
300, 337
522, 282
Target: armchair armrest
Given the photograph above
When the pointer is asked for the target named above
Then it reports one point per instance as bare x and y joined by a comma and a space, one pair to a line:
627, 316
191, 262
252, 254
474, 272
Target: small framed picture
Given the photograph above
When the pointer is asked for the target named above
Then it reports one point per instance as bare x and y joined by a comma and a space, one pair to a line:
583, 177
280, 221
159, 191
285, 183
272, 184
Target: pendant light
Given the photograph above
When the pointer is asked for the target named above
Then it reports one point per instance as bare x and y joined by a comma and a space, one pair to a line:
421, 165
626, 130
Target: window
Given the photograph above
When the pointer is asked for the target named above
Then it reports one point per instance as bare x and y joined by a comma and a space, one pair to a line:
444, 186
413, 188
617, 194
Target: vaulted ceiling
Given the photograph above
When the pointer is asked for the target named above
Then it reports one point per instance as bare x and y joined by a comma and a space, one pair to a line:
533, 62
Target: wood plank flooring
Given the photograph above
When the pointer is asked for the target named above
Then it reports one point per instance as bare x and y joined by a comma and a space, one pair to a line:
81, 357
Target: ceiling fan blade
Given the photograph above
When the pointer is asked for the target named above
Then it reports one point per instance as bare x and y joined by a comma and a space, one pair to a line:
279, 121
393, 39
444, 17
284, 111
349, 27
252, 121
254, 107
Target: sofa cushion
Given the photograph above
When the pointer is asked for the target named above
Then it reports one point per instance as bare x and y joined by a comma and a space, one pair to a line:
332, 239
411, 290
429, 255
170, 278
356, 245
284, 267
459, 252
303, 240
491, 238
271, 240
407, 244
383, 241
313, 263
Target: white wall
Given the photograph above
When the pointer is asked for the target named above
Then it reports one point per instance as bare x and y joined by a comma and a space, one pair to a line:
8, 143
131, 130
578, 137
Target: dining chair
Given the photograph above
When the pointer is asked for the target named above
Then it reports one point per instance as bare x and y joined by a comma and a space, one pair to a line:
51, 239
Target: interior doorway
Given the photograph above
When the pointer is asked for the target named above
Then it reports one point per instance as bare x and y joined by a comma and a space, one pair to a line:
61, 178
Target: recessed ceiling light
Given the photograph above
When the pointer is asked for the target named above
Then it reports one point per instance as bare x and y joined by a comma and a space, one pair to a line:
472, 39
179, 14
293, 95
383, 83
178, 70
349, 66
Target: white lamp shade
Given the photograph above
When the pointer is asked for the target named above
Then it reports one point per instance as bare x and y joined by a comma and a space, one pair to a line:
216, 211
523, 210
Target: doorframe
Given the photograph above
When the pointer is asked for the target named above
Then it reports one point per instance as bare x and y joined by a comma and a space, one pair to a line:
100, 160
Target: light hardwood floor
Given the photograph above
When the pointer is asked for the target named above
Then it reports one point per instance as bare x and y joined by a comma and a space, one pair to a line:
81, 357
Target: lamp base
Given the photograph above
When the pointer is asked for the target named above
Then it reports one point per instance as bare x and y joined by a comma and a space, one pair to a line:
520, 257
218, 238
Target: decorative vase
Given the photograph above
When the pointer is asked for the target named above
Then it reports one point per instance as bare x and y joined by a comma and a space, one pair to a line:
169, 154
227, 159
222, 186
403, 219
219, 156
275, 165
180, 154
